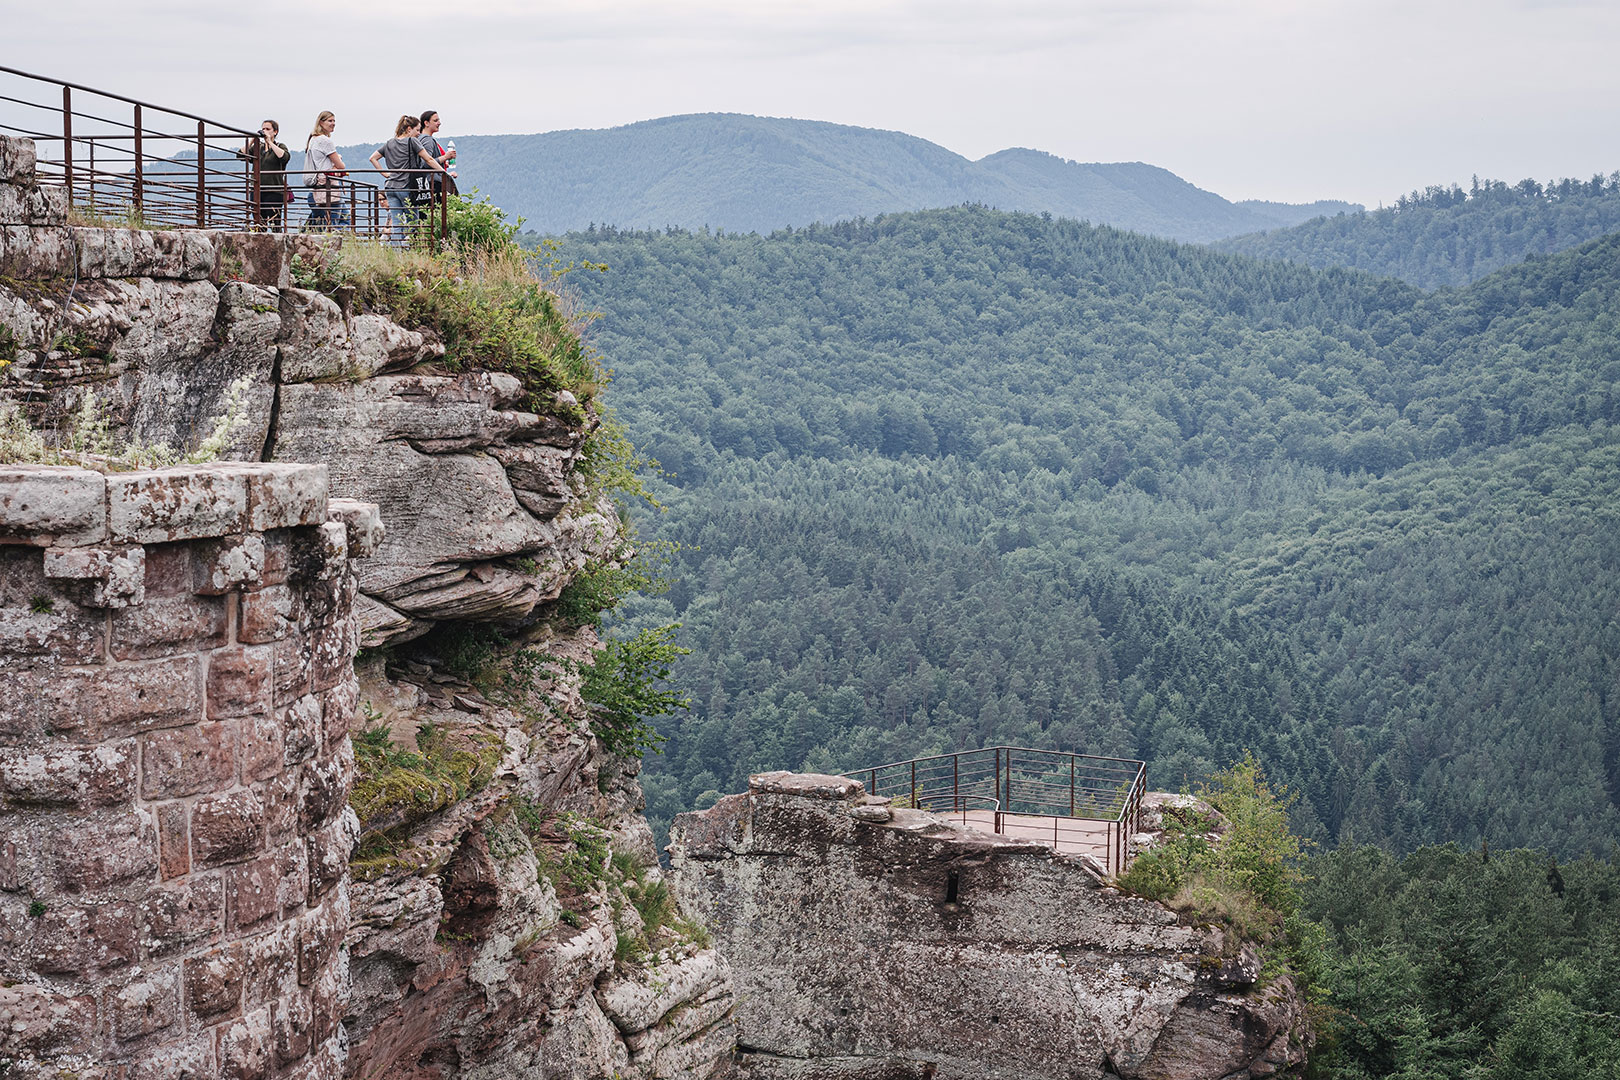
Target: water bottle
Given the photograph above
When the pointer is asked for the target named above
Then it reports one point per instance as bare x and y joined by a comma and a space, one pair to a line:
450, 162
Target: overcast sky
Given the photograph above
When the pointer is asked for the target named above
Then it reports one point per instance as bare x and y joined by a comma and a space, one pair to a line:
1274, 99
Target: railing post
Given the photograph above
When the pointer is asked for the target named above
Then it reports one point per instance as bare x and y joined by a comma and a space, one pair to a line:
67, 141
139, 181
444, 214
956, 795
914, 784
202, 152
996, 787
871, 789
1071, 785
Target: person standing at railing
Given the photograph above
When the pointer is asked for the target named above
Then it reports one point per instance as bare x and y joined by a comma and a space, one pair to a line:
434, 188
323, 175
403, 155
273, 157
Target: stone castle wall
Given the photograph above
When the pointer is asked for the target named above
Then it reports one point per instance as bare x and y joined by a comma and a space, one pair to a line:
176, 691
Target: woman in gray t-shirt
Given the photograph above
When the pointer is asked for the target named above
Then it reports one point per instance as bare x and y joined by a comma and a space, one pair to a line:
400, 155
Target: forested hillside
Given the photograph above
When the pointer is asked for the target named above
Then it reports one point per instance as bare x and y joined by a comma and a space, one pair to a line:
960, 477
1447, 236
753, 173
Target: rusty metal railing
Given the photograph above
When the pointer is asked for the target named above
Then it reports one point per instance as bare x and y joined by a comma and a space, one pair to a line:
1027, 786
124, 160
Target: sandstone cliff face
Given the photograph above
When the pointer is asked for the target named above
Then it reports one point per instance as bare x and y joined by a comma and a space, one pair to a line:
869, 941
486, 909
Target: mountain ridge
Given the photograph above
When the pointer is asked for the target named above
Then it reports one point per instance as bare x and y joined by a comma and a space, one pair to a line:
742, 173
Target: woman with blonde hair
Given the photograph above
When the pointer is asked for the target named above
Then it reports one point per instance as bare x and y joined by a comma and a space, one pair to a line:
404, 157
323, 172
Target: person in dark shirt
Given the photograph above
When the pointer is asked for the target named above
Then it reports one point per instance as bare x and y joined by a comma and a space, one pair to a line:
272, 157
403, 155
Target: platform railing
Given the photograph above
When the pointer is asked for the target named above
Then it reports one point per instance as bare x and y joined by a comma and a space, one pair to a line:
126, 161
1025, 783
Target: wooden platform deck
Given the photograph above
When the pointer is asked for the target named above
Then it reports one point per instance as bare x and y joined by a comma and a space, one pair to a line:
1071, 836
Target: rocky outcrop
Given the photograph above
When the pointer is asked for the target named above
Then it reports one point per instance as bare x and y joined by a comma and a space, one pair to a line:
506, 918
872, 941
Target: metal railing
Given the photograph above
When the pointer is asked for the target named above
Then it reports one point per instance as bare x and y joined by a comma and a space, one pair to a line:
1024, 783
124, 160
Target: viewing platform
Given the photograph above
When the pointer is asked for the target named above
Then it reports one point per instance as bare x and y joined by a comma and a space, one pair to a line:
1077, 804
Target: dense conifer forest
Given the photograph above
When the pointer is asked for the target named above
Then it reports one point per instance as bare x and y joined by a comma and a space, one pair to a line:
946, 479
1445, 235
961, 477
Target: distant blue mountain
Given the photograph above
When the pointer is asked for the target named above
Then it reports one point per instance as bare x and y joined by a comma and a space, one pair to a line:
757, 174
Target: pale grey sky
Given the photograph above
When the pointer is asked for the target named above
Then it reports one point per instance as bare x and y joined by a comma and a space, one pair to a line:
1273, 99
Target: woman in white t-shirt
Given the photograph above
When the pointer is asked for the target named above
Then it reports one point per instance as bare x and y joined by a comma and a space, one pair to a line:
323, 171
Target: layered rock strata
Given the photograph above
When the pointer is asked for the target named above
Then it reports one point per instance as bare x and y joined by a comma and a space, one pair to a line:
176, 692
867, 941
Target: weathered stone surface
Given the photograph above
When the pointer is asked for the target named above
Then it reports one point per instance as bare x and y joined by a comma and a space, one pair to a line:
157, 860
923, 948
175, 504
45, 505
17, 157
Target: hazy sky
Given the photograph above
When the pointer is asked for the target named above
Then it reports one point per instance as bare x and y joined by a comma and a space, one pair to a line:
1275, 99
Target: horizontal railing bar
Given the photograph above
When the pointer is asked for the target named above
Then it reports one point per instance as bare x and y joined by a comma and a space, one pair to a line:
120, 97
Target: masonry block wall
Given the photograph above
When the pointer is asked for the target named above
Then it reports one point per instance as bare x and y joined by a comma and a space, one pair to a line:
176, 694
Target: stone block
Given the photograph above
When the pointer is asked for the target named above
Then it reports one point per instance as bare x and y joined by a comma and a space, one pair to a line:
332, 649
320, 935
280, 807
281, 495
230, 563
187, 760
114, 931
300, 724
244, 1047
268, 614
363, 524
42, 1022
46, 505
34, 206
214, 985
253, 892
46, 626
226, 828
185, 915
291, 667
327, 998
167, 625
116, 576
171, 569
239, 680
17, 157
98, 702
292, 1023
174, 840
262, 747
94, 854
36, 253
192, 1059
68, 776
270, 966
339, 707
176, 504
329, 849
257, 258
146, 1004
324, 788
